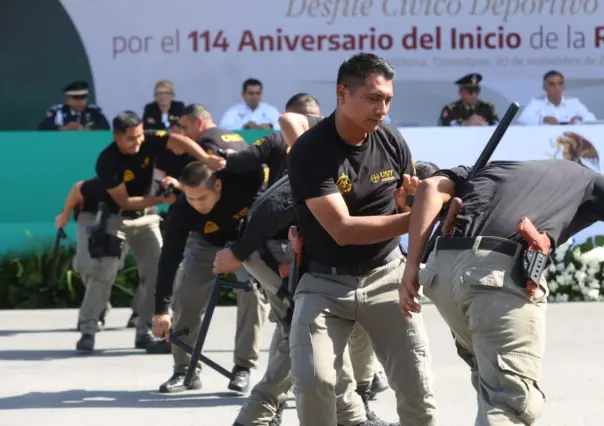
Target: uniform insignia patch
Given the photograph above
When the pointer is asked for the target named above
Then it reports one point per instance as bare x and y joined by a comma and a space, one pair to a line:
128, 175
210, 227
344, 183
241, 213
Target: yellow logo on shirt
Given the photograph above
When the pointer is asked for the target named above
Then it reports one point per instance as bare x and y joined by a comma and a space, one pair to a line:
344, 183
383, 176
233, 137
161, 133
289, 148
210, 227
241, 213
258, 142
128, 175
146, 162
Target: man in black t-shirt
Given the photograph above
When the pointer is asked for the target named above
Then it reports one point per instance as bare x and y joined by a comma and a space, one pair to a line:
125, 169
201, 222
344, 173
83, 201
476, 280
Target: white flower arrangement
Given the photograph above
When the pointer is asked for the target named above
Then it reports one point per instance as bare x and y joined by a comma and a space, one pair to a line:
576, 273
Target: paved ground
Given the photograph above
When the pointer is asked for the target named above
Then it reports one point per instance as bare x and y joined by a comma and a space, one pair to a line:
43, 382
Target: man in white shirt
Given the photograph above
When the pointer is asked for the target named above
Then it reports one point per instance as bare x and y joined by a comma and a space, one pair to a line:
554, 108
252, 113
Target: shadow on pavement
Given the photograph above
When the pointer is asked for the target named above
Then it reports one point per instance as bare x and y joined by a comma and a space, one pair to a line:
52, 354
80, 398
7, 333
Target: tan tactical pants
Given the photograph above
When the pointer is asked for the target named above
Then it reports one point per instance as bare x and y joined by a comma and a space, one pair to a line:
260, 407
479, 295
143, 237
327, 308
191, 299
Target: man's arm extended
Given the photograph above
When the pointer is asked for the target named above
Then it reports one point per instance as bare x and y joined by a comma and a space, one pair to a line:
125, 202
176, 233
432, 194
265, 220
292, 126
74, 198
179, 143
332, 213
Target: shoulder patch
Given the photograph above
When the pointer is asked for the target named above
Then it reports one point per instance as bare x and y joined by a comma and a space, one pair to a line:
161, 133
259, 142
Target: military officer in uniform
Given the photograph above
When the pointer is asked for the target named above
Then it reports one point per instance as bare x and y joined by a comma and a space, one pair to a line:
76, 113
468, 110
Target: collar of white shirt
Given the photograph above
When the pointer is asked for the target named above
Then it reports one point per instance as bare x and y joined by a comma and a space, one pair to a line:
562, 102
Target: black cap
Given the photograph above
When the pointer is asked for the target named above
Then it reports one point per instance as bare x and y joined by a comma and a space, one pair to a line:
77, 88
470, 80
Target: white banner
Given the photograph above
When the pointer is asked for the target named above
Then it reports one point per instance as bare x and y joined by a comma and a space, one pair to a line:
209, 49
450, 147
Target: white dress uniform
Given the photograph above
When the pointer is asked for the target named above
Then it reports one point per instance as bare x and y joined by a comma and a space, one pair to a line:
238, 115
540, 107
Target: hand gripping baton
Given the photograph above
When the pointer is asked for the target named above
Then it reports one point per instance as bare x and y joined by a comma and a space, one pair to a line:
218, 283
50, 274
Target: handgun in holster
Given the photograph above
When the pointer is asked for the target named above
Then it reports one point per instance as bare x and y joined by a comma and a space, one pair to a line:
536, 255
451, 217
100, 242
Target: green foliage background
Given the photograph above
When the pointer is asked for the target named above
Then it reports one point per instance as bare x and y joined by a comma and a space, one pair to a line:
23, 275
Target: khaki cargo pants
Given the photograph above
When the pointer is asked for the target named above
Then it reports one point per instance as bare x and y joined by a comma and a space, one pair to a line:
191, 298
260, 407
327, 308
144, 239
496, 324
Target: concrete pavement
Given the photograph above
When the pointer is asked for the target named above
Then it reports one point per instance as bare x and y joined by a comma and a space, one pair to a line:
44, 382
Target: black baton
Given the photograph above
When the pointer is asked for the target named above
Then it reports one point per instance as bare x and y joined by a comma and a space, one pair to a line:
50, 274
482, 161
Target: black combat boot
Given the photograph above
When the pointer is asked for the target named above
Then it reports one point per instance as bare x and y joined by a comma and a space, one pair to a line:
378, 384
85, 344
372, 418
241, 379
132, 320
278, 415
176, 383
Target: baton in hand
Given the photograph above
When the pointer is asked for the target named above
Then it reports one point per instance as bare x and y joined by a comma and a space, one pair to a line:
50, 274
482, 161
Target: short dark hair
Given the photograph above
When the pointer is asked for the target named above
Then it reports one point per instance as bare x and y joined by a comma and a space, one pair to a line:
196, 174
354, 71
251, 82
425, 169
302, 103
552, 73
125, 120
194, 111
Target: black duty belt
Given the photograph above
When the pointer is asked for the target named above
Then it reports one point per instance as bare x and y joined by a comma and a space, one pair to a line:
135, 214
354, 270
492, 244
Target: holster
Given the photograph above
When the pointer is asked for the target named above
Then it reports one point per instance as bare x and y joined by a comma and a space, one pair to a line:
534, 264
102, 244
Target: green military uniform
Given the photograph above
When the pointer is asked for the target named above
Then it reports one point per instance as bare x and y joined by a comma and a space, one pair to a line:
454, 114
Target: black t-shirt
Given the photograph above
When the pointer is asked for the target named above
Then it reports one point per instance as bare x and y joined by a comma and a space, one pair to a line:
217, 227
560, 197
321, 163
270, 150
135, 170
91, 190
216, 138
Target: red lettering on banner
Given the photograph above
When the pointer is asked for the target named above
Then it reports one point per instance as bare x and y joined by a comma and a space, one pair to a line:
280, 42
479, 40
599, 39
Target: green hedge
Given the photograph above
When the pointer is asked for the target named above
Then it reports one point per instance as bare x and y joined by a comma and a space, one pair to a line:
23, 273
